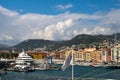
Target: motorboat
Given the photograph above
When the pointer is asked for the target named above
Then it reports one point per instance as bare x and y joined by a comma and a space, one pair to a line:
23, 62
23, 68
97, 65
54, 67
24, 57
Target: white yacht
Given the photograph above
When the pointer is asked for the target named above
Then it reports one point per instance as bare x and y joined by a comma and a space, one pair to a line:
23, 62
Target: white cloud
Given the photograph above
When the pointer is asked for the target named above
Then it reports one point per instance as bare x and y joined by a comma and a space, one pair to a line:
85, 31
52, 32
64, 7
5, 37
56, 27
100, 30
7, 12
57, 31
95, 30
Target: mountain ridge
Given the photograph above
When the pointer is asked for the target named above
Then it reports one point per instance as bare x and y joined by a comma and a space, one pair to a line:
79, 39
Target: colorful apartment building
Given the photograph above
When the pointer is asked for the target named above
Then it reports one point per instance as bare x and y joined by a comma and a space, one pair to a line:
106, 55
115, 53
55, 55
62, 55
38, 55
58, 54
78, 55
98, 56
67, 52
88, 54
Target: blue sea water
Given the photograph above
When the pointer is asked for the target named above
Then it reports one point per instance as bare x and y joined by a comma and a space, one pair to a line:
79, 73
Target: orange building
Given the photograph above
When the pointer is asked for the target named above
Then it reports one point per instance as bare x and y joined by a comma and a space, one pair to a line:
88, 54
58, 54
62, 54
98, 56
55, 55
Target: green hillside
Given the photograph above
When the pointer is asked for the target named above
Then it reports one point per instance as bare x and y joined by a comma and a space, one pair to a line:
79, 39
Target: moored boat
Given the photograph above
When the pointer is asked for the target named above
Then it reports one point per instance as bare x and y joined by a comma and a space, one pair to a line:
23, 63
113, 66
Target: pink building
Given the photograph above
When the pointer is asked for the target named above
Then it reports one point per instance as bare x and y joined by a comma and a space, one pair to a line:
106, 55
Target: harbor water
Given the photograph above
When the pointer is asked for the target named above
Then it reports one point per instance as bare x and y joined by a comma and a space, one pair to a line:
80, 73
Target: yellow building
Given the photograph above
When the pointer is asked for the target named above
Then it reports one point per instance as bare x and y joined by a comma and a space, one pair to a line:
38, 55
78, 55
88, 54
67, 52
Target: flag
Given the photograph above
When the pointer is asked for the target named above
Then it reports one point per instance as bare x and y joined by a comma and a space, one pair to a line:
67, 62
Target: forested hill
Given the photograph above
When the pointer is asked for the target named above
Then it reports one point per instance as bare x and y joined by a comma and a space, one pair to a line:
88, 39
39, 43
77, 40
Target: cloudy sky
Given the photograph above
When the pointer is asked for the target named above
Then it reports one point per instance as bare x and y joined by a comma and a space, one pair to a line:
56, 19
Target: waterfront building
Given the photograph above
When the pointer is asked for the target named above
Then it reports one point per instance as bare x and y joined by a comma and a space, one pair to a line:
55, 54
106, 55
98, 56
87, 54
115, 53
58, 54
38, 55
62, 55
67, 52
78, 55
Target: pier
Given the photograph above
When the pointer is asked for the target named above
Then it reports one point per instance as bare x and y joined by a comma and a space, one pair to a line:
7, 61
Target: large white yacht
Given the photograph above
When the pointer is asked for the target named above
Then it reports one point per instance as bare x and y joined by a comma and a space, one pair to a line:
24, 57
23, 62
